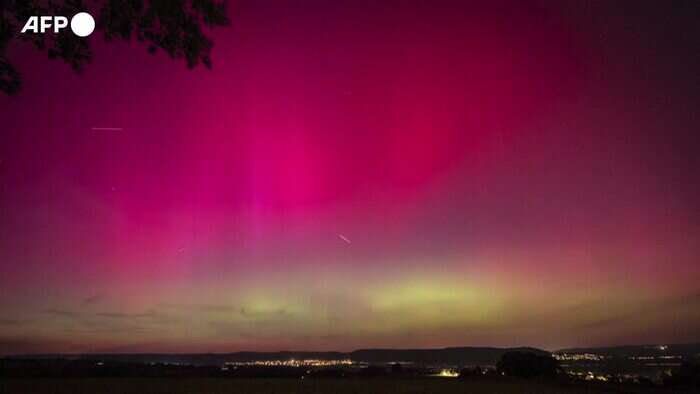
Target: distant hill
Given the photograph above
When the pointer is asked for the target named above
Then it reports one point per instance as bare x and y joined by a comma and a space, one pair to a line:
686, 350
454, 356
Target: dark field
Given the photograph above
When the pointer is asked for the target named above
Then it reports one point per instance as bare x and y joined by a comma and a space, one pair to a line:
278, 386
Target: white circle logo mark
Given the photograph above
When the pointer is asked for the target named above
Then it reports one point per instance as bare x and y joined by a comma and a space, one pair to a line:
82, 24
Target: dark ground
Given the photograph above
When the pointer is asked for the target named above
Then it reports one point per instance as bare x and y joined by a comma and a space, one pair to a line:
297, 386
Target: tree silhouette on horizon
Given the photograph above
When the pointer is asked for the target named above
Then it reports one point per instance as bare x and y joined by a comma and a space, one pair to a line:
173, 26
525, 364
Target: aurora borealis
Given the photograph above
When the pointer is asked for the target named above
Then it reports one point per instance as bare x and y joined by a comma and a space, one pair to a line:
359, 174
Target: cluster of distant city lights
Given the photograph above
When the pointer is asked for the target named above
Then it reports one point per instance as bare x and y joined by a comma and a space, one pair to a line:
666, 360
291, 363
443, 373
578, 357
599, 357
447, 373
453, 373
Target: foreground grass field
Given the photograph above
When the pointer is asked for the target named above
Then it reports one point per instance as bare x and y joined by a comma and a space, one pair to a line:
283, 386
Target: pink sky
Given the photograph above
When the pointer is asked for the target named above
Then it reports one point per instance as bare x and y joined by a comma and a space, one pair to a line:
350, 175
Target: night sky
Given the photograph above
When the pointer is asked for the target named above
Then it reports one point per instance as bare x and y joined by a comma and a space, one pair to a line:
361, 174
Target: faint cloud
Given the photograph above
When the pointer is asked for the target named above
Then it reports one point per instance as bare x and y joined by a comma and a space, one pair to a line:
9, 322
119, 315
643, 310
61, 313
262, 314
200, 307
151, 316
216, 308
95, 299
607, 322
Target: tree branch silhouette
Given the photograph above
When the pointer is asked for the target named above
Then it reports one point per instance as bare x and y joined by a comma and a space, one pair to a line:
173, 26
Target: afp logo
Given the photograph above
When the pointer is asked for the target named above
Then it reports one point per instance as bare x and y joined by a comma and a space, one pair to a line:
82, 24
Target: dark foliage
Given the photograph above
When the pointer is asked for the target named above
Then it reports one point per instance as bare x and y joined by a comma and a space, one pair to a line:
173, 26
373, 371
471, 372
687, 375
527, 365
